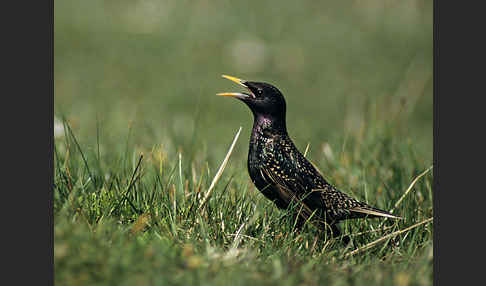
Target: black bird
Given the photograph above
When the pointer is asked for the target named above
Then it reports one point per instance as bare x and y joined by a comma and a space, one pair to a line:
282, 173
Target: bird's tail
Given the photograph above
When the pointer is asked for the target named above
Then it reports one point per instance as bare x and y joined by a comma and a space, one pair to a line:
371, 211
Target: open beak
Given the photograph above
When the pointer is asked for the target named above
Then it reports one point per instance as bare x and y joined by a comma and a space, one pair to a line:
235, 79
236, 94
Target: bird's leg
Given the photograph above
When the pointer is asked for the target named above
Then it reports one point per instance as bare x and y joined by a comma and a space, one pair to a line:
336, 232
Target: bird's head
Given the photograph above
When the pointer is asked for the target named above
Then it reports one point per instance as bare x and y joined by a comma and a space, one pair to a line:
264, 100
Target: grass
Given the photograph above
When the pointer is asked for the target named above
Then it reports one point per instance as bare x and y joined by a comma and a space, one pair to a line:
146, 223
140, 137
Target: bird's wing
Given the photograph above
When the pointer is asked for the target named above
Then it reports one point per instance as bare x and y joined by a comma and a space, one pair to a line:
298, 180
287, 190
337, 204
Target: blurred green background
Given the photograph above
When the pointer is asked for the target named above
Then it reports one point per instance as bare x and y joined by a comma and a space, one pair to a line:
145, 73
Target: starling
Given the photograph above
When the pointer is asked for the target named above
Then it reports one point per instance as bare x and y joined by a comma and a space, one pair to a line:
280, 171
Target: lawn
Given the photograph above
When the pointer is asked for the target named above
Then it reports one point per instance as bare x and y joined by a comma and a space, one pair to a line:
139, 137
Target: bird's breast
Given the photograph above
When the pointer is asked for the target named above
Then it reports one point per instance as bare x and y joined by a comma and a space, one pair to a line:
262, 148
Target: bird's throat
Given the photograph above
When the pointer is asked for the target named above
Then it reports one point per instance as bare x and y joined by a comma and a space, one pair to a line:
267, 125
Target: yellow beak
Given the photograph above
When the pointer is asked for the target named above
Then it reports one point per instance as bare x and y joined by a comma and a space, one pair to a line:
234, 94
235, 79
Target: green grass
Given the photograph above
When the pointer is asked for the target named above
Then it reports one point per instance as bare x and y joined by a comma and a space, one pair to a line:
137, 221
140, 77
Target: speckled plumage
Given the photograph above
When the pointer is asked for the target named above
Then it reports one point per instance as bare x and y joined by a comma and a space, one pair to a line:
280, 171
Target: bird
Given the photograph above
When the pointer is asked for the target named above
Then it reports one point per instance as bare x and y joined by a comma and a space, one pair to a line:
283, 174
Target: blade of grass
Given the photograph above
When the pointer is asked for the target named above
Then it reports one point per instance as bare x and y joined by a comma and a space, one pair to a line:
306, 149
81, 152
132, 182
220, 170
237, 239
410, 188
374, 243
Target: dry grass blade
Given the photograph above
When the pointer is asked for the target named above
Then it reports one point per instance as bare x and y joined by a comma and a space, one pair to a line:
237, 239
372, 244
246, 236
220, 170
370, 231
410, 188
306, 149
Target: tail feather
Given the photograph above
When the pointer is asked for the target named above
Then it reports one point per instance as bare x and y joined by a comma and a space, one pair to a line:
367, 210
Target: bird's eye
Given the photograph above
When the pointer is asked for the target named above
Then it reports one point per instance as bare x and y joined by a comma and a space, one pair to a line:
260, 91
